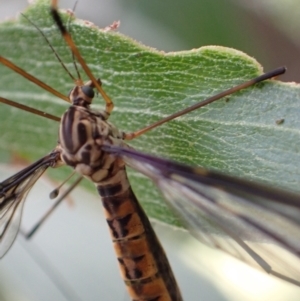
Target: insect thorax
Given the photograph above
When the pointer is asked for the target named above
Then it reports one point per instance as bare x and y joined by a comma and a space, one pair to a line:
82, 134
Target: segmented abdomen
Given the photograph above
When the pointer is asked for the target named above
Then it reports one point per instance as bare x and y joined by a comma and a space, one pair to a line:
143, 263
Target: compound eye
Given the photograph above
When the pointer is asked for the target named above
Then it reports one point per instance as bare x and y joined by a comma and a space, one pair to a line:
88, 91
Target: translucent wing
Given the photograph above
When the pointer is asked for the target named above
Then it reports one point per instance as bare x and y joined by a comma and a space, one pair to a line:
255, 223
13, 192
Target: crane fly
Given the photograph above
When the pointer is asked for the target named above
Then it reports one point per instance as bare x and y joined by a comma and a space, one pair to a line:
214, 206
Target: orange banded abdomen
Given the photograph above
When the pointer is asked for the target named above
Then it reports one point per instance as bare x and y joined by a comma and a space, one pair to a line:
144, 266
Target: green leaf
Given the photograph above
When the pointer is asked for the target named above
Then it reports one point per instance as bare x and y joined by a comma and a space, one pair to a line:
237, 135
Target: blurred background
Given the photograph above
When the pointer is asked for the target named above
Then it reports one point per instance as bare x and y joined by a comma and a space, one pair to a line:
82, 262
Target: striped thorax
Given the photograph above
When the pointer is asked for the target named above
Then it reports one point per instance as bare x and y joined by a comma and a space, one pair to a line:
83, 132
